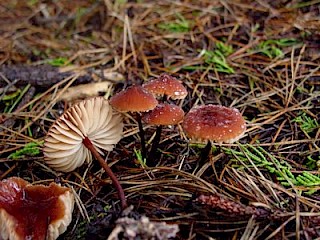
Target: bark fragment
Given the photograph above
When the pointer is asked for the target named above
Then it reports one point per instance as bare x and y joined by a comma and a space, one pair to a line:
42, 76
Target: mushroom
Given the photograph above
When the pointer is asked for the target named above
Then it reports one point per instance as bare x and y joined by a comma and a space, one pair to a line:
164, 114
85, 129
166, 85
213, 123
33, 211
135, 99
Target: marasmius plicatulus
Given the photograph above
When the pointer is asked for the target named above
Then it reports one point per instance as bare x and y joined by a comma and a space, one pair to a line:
215, 123
87, 129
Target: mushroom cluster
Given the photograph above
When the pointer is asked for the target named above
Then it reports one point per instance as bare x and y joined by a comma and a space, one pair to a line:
33, 211
166, 87
142, 101
135, 99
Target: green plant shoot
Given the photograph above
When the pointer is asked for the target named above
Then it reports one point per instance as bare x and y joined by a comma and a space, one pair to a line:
180, 25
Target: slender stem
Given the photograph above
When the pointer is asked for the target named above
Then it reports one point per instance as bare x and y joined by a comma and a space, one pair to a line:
154, 148
142, 139
104, 165
205, 152
154, 154
164, 98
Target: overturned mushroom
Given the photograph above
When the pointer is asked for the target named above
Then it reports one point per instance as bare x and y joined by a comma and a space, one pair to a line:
86, 129
213, 123
33, 211
135, 99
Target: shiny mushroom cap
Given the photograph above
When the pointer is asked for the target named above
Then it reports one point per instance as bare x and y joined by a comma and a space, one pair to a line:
33, 211
133, 99
164, 114
166, 85
215, 123
93, 119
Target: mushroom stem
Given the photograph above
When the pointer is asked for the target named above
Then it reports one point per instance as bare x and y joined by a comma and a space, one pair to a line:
87, 142
155, 143
153, 151
206, 152
164, 98
142, 139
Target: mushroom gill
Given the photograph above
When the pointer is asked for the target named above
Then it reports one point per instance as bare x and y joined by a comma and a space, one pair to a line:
93, 119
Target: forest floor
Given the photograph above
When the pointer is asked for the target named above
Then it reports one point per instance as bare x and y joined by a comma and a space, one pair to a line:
261, 57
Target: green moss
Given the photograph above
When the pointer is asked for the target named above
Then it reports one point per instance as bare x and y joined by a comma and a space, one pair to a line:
30, 149
180, 25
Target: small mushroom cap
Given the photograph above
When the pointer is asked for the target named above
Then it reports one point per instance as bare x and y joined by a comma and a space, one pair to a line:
166, 85
33, 211
133, 99
92, 118
215, 123
164, 114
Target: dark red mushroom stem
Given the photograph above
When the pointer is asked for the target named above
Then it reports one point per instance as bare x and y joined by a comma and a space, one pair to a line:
205, 153
142, 139
164, 98
86, 141
154, 153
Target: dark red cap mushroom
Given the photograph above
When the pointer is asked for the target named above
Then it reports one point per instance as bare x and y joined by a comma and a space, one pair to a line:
164, 114
215, 123
33, 211
133, 99
166, 85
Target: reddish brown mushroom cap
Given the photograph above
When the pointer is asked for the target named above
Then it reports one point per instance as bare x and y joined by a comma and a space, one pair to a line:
133, 99
213, 122
166, 85
164, 114
33, 211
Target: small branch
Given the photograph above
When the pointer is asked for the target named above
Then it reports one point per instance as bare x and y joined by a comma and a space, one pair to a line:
42, 76
108, 170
